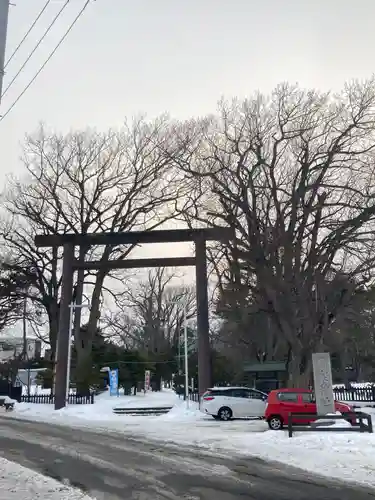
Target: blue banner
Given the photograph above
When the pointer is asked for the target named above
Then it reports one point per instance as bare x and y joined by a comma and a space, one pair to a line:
113, 382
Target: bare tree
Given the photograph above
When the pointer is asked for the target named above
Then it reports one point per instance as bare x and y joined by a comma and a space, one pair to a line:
150, 314
14, 286
17, 229
89, 182
293, 175
247, 331
353, 339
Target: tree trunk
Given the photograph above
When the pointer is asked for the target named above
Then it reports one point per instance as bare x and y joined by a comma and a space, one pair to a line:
53, 324
156, 383
84, 370
299, 371
85, 339
344, 374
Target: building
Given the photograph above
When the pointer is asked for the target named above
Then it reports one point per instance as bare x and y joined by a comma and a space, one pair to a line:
266, 376
28, 377
12, 347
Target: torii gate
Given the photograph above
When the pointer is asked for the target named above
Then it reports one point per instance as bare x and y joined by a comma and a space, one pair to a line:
71, 264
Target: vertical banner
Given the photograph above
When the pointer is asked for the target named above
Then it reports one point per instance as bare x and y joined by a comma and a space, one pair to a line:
113, 382
147, 380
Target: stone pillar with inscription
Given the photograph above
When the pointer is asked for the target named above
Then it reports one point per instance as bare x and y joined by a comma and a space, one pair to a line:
323, 383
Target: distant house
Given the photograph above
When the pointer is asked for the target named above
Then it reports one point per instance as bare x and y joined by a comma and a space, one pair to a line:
12, 347
28, 377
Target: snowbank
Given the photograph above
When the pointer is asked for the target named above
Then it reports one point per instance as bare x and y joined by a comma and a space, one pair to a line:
180, 412
19, 483
102, 410
342, 456
355, 385
330, 422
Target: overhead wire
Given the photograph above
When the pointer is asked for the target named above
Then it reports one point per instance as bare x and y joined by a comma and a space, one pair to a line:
55, 19
61, 41
27, 33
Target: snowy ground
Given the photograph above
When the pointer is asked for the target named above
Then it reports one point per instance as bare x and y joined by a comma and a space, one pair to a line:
355, 385
18, 483
346, 456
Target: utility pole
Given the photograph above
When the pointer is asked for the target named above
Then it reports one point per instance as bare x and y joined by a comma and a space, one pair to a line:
25, 355
4, 11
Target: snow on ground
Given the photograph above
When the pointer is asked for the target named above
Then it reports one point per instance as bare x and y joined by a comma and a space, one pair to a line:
19, 483
346, 456
360, 405
355, 385
101, 416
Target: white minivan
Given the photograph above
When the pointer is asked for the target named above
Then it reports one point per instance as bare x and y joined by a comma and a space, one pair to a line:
225, 403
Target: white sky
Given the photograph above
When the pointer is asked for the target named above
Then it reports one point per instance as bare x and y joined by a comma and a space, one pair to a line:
131, 56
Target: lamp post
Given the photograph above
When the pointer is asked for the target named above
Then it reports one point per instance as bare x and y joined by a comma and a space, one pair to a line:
185, 352
186, 358
73, 306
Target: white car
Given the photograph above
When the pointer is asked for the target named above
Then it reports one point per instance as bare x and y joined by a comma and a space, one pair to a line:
225, 403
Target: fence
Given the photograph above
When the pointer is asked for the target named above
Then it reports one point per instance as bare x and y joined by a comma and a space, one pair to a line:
356, 394
193, 396
357, 420
46, 399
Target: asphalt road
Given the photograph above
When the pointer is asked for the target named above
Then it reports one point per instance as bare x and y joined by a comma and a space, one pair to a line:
115, 467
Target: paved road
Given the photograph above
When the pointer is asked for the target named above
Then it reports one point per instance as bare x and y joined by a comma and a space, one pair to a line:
114, 467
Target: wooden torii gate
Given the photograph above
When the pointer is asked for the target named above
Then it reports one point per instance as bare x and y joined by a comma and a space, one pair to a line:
70, 264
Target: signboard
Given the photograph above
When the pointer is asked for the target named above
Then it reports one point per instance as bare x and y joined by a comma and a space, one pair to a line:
147, 380
323, 383
113, 382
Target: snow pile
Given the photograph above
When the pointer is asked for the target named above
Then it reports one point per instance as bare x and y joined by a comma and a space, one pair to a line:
166, 398
181, 413
8, 400
332, 422
102, 409
355, 385
342, 424
19, 483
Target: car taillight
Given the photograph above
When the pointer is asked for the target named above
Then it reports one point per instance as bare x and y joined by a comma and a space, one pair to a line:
208, 398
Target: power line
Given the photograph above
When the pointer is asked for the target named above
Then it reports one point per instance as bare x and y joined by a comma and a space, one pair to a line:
36, 47
61, 41
27, 33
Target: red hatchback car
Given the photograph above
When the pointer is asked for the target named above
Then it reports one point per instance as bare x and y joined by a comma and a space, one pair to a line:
281, 402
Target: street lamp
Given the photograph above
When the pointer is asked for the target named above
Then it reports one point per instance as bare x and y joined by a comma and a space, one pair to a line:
73, 306
186, 358
185, 352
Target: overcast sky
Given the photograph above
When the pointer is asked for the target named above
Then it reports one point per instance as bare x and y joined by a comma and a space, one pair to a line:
180, 56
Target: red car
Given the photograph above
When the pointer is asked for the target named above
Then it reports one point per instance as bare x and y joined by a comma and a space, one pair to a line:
281, 402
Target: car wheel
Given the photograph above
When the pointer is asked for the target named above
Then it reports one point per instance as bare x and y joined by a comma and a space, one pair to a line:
275, 423
225, 413
216, 417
